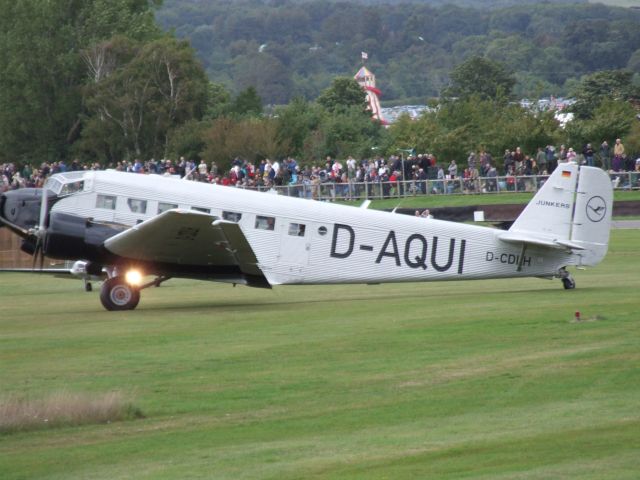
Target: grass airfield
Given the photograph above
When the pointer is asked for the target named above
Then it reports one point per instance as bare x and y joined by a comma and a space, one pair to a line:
484, 379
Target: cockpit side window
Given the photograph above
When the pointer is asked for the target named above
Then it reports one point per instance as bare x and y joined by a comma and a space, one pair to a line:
72, 187
54, 185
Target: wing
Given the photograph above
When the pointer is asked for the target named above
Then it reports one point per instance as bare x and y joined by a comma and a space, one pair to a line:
190, 243
46, 271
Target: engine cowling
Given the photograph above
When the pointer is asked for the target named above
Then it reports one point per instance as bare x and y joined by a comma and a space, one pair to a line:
71, 237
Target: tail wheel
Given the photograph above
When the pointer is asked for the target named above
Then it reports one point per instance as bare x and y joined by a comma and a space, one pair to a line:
568, 283
567, 280
117, 294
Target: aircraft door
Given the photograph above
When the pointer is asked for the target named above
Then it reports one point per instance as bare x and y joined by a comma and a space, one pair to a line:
320, 239
295, 246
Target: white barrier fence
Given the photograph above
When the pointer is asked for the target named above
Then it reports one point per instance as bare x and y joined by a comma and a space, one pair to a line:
375, 190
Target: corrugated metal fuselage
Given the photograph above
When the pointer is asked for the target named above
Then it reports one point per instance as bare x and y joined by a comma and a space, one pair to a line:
340, 244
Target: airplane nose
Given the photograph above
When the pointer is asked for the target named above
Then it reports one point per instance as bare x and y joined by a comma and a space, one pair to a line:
21, 207
6, 206
2, 200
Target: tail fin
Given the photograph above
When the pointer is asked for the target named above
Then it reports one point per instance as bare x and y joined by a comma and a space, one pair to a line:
571, 210
592, 217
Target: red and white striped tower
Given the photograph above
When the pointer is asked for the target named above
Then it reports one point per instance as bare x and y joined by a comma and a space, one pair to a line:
367, 81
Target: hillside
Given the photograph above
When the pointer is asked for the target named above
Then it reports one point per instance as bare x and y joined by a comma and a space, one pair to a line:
290, 48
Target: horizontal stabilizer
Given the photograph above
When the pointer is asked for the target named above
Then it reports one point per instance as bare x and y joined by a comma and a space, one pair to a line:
531, 240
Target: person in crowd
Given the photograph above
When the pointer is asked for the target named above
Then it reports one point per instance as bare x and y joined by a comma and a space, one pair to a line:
588, 153
439, 186
472, 160
507, 160
605, 156
518, 159
552, 158
541, 162
453, 169
617, 164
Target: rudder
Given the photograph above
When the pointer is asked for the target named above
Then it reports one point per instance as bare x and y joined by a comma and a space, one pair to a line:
592, 217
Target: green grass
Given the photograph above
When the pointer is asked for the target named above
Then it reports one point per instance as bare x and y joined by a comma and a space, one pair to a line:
433, 201
485, 379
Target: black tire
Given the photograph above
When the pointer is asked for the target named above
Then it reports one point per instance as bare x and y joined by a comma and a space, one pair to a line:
88, 287
568, 283
117, 294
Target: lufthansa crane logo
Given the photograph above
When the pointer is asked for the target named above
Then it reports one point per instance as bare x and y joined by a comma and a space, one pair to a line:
596, 208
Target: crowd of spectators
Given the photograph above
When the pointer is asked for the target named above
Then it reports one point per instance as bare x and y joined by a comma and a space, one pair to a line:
347, 176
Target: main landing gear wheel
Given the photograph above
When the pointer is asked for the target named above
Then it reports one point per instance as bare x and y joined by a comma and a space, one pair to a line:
117, 294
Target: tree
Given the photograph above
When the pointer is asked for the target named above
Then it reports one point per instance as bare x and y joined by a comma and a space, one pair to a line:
42, 71
148, 90
249, 138
594, 88
634, 62
343, 94
482, 77
219, 101
611, 119
267, 74
247, 103
345, 132
295, 123
473, 124
187, 140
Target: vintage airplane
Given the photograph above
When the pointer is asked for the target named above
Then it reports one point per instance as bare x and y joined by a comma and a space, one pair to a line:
127, 226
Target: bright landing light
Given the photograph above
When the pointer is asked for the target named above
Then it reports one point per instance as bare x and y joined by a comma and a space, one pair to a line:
133, 277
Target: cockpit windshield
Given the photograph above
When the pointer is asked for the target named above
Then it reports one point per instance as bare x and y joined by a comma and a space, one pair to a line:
63, 184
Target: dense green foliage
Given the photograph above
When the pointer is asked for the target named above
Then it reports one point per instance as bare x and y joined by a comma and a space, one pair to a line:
99, 79
479, 118
42, 72
462, 126
476, 380
96, 78
139, 94
290, 48
482, 78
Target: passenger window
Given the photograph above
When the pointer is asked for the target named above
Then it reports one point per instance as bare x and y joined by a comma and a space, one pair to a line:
106, 201
296, 229
137, 206
163, 207
201, 209
232, 216
265, 223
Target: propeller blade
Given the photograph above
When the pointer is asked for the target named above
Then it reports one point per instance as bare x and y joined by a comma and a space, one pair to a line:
36, 253
44, 204
41, 231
